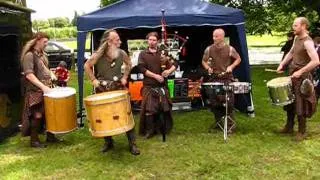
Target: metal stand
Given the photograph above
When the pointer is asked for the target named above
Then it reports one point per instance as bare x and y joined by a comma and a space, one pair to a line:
227, 117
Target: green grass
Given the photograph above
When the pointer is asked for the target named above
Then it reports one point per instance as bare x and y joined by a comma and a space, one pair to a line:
255, 151
73, 44
265, 40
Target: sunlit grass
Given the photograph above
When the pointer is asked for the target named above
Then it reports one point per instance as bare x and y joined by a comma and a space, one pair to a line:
266, 40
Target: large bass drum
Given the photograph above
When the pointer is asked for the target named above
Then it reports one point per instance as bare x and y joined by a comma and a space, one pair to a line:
109, 113
60, 110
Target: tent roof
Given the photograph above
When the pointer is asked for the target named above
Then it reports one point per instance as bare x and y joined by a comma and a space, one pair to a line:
131, 14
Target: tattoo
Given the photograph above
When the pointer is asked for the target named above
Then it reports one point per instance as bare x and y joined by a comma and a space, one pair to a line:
206, 55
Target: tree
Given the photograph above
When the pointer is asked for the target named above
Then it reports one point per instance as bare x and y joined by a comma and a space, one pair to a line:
74, 20
107, 2
40, 24
51, 22
59, 22
265, 16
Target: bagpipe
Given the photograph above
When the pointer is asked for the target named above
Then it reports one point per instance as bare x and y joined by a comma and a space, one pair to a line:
170, 46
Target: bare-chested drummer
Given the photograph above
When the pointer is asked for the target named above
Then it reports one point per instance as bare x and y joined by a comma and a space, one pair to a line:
219, 60
302, 59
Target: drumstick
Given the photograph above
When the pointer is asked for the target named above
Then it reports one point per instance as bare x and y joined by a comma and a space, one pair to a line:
270, 70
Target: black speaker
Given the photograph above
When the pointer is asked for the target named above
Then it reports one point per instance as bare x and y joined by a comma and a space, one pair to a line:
181, 88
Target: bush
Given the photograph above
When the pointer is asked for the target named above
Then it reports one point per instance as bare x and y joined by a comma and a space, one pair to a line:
61, 33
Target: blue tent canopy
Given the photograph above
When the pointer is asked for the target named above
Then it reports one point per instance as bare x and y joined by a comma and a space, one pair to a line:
146, 13
132, 16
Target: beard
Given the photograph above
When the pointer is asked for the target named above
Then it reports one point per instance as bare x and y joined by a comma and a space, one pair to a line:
113, 52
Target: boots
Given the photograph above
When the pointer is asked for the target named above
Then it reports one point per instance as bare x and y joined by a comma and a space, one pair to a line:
288, 128
51, 138
301, 135
132, 143
218, 113
149, 126
134, 149
108, 145
34, 137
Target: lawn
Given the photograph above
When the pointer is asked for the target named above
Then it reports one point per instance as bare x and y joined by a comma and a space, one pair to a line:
255, 151
266, 40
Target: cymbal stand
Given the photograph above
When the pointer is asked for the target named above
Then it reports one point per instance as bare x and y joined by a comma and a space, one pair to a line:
227, 117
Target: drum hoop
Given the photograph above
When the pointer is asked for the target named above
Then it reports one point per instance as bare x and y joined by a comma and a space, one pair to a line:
240, 83
73, 90
121, 93
212, 83
279, 84
63, 132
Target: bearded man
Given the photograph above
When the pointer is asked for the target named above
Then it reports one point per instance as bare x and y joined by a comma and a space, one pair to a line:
107, 62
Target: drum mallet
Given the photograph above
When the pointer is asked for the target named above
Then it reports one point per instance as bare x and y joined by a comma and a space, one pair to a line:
270, 70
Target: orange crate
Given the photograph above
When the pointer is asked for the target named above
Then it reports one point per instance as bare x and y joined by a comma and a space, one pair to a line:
194, 89
135, 90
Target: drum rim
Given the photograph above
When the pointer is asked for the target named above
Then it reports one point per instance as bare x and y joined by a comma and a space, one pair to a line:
242, 83
73, 90
123, 93
270, 84
212, 83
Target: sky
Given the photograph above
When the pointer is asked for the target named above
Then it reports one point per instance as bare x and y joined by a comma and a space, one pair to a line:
60, 8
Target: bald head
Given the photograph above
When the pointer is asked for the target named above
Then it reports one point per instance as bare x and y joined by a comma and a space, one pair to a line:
218, 36
219, 32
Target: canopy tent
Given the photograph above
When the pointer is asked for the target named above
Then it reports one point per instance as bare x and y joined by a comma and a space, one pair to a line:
134, 18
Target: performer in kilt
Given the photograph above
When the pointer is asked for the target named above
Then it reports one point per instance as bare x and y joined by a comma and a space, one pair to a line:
37, 81
107, 76
156, 67
219, 60
302, 60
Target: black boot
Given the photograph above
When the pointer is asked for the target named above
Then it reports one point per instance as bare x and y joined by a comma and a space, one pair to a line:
34, 137
132, 143
51, 138
108, 144
149, 126
288, 128
218, 113
301, 135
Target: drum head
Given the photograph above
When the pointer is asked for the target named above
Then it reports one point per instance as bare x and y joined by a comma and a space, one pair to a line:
280, 81
60, 92
106, 95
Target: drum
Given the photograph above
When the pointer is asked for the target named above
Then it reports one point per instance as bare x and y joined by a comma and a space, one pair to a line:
280, 91
213, 88
60, 110
109, 113
240, 87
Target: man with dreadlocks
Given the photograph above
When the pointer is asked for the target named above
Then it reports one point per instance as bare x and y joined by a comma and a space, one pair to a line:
38, 81
107, 62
